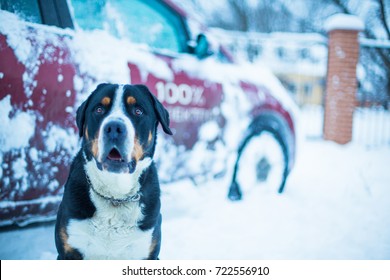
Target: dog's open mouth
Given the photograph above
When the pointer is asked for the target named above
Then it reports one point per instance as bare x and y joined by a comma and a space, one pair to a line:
115, 155
116, 162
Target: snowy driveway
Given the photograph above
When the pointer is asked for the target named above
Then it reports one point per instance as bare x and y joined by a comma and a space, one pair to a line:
336, 206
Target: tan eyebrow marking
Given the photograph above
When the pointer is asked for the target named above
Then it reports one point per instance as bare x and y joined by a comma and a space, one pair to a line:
106, 101
131, 100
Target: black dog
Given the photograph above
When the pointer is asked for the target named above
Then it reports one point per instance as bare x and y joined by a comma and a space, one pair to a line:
111, 203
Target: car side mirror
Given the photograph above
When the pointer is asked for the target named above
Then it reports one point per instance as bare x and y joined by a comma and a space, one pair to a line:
202, 48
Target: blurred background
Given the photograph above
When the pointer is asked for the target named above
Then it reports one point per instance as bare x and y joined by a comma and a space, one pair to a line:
336, 199
290, 38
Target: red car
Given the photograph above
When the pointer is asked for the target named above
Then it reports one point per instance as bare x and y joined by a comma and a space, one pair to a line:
228, 119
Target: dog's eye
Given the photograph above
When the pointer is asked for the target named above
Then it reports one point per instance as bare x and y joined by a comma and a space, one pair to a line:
138, 111
99, 110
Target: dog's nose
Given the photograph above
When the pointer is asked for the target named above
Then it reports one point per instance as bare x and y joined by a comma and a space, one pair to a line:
115, 130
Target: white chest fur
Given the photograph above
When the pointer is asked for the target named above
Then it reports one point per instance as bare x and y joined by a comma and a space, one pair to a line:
112, 233
117, 186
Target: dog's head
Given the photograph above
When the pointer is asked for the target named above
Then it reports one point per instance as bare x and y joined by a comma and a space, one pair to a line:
118, 124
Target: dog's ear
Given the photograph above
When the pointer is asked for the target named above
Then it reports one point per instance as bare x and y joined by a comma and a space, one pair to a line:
161, 112
80, 115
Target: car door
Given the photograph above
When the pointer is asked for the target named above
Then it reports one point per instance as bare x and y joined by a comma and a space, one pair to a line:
37, 98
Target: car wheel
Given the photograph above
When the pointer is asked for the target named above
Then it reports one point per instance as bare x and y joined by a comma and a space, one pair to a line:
262, 162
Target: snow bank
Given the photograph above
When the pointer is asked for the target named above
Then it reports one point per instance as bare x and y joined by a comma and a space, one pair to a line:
335, 206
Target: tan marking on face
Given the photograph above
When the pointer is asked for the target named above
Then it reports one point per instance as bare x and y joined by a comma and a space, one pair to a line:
138, 151
86, 133
64, 237
150, 137
95, 146
152, 247
131, 100
106, 101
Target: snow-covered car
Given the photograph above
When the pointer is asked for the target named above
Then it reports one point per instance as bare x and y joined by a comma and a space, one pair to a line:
227, 119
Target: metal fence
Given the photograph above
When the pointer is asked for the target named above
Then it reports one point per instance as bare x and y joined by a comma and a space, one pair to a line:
371, 125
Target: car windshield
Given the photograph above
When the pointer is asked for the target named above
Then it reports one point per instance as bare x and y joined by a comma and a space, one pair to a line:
149, 23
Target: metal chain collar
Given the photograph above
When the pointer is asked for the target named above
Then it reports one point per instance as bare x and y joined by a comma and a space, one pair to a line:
116, 201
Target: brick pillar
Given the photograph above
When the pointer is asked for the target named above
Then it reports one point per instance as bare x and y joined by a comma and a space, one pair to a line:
341, 83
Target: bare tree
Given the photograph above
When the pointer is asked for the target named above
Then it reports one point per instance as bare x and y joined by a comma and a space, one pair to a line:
265, 16
374, 58
285, 16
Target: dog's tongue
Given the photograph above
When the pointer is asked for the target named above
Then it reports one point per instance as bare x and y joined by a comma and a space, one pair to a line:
114, 155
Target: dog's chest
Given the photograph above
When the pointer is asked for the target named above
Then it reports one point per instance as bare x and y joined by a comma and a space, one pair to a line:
112, 233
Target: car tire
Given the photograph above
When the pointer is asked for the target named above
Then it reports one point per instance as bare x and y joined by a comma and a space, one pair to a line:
262, 161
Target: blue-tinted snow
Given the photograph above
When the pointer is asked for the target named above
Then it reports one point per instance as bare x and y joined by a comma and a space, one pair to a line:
336, 206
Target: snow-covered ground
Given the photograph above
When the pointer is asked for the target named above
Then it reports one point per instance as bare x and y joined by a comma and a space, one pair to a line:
336, 205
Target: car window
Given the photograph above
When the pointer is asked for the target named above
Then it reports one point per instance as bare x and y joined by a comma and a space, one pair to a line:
26, 9
143, 22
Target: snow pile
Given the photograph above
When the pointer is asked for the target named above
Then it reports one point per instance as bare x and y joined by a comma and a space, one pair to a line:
263, 153
16, 36
108, 60
29, 41
11, 138
211, 159
28, 138
335, 206
344, 22
59, 137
